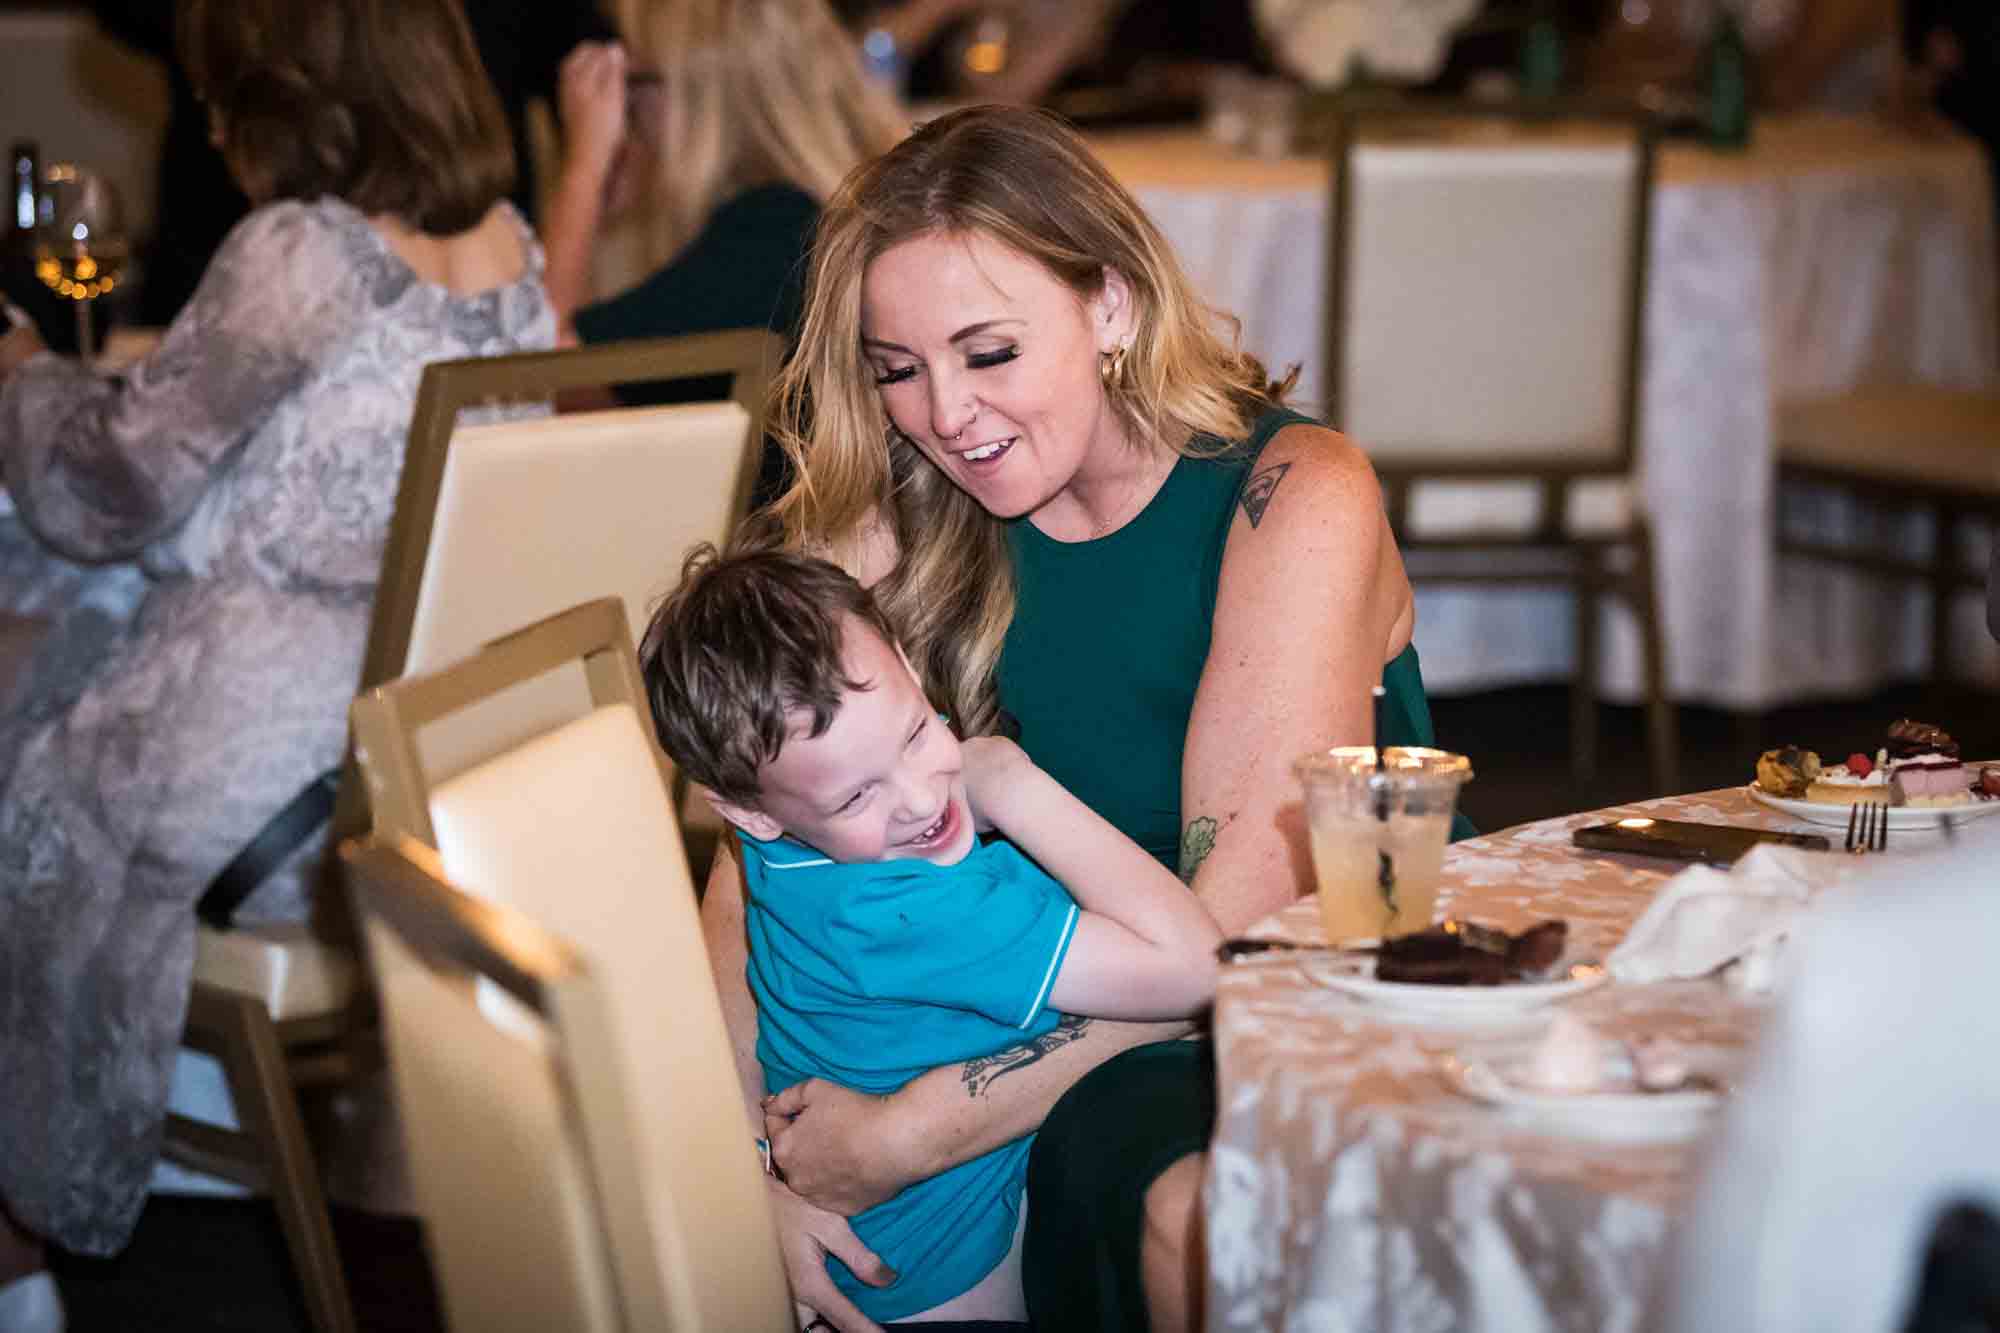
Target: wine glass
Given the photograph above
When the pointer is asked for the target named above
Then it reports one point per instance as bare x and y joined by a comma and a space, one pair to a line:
80, 247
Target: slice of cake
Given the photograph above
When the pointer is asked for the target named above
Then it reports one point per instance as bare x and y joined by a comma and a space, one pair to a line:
1930, 781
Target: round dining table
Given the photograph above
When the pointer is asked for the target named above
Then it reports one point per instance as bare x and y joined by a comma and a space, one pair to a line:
1353, 1184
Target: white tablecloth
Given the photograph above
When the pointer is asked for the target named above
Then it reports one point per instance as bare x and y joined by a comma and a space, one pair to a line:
1349, 1187
1833, 253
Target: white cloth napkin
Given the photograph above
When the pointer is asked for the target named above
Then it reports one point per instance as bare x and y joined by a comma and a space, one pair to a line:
1703, 918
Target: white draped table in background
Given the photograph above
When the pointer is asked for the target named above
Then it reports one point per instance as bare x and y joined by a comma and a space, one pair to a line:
1834, 252
1350, 1188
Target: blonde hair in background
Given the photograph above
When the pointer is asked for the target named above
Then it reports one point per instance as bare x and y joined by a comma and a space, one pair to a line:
750, 91
1025, 179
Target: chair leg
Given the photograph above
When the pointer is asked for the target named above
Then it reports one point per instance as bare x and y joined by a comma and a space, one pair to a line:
1583, 685
1662, 721
261, 1088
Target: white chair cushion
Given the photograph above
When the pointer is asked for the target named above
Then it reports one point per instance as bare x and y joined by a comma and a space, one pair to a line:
1487, 299
295, 974
576, 828
534, 516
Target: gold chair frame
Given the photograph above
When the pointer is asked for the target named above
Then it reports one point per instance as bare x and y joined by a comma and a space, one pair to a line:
268, 1061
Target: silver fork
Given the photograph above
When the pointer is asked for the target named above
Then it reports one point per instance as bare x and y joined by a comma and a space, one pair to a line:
1867, 827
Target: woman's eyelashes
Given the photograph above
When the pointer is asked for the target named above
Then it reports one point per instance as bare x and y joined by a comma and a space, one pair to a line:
999, 356
987, 360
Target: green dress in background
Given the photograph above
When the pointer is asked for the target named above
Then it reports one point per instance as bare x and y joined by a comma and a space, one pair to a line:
1109, 638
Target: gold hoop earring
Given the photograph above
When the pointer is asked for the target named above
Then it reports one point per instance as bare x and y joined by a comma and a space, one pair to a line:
1111, 367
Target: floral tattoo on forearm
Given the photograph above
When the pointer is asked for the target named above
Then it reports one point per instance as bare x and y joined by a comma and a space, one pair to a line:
1197, 841
979, 1075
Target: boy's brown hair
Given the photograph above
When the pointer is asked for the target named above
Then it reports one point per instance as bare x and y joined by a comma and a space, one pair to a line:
746, 640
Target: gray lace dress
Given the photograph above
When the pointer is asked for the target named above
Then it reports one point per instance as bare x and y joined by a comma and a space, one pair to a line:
204, 532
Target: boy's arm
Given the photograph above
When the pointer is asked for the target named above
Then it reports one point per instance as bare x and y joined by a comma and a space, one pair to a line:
1144, 945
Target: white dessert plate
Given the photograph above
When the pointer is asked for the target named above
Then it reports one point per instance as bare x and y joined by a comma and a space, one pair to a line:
1350, 977
1922, 817
1617, 1109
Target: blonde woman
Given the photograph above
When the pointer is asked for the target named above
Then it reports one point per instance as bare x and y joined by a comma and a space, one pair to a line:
728, 123
1086, 510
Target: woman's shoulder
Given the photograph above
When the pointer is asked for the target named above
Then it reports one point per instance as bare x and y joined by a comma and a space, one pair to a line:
287, 257
295, 227
1289, 440
1321, 474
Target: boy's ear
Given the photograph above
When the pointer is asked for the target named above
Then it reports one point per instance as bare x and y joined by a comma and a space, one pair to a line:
746, 817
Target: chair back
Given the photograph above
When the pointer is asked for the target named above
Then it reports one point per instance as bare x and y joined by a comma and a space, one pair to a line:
576, 828
1488, 286
501, 524
521, 1131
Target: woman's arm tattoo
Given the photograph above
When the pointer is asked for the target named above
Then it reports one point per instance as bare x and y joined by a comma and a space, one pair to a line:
1258, 490
1197, 841
979, 1075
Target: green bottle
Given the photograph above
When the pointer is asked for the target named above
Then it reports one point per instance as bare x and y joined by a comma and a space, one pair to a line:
1728, 82
1542, 57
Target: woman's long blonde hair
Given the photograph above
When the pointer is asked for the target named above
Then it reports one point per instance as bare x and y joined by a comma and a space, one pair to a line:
751, 91
1026, 180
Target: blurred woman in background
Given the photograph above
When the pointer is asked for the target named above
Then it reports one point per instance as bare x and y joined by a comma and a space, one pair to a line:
203, 534
727, 125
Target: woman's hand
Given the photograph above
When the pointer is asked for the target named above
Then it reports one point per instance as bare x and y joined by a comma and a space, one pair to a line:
837, 1147
806, 1236
591, 97
993, 765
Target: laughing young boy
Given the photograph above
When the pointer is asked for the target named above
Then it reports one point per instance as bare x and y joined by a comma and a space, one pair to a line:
886, 937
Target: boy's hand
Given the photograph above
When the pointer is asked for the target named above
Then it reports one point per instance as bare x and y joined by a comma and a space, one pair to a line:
993, 765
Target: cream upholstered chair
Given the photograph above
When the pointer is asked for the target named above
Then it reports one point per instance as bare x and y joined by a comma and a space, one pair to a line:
1896, 450
1487, 297
495, 526
525, 1137
575, 828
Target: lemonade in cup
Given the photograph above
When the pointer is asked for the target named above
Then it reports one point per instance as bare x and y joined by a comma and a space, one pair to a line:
1378, 835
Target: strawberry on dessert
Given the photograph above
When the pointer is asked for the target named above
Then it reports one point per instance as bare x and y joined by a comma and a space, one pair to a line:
1855, 781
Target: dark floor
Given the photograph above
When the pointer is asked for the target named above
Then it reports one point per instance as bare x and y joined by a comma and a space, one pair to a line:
220, 1265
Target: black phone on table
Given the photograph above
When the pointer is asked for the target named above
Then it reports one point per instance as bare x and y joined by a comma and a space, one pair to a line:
1679, 840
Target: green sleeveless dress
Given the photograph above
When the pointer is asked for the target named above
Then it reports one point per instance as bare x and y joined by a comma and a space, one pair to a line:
1109, 637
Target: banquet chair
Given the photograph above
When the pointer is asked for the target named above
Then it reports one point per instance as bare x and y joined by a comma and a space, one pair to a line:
575, 828
1895, 451
526, 1138
1853, 1180
495, 525
1487, 299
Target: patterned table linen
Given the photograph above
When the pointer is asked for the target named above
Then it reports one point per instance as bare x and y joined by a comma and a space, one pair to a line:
1835, 251
1349, 1187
